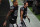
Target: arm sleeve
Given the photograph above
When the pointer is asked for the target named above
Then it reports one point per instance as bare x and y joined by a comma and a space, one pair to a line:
21, 8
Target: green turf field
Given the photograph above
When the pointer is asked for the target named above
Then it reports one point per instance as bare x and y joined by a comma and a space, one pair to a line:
38, 16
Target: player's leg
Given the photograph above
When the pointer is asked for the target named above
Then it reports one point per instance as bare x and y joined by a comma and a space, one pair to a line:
12, 21
23, 22
10, 25
15, 22
14, 25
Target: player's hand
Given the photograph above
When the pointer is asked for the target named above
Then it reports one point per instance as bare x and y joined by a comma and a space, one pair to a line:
29, 20
4, 24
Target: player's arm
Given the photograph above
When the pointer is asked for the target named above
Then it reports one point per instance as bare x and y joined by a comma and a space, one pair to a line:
9, 14
11, 10
28, 18
4, 24
21, 14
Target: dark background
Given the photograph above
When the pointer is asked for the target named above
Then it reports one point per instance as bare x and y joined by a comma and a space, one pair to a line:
4, 8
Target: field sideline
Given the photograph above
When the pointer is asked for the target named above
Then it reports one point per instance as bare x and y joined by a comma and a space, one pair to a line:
38, 16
